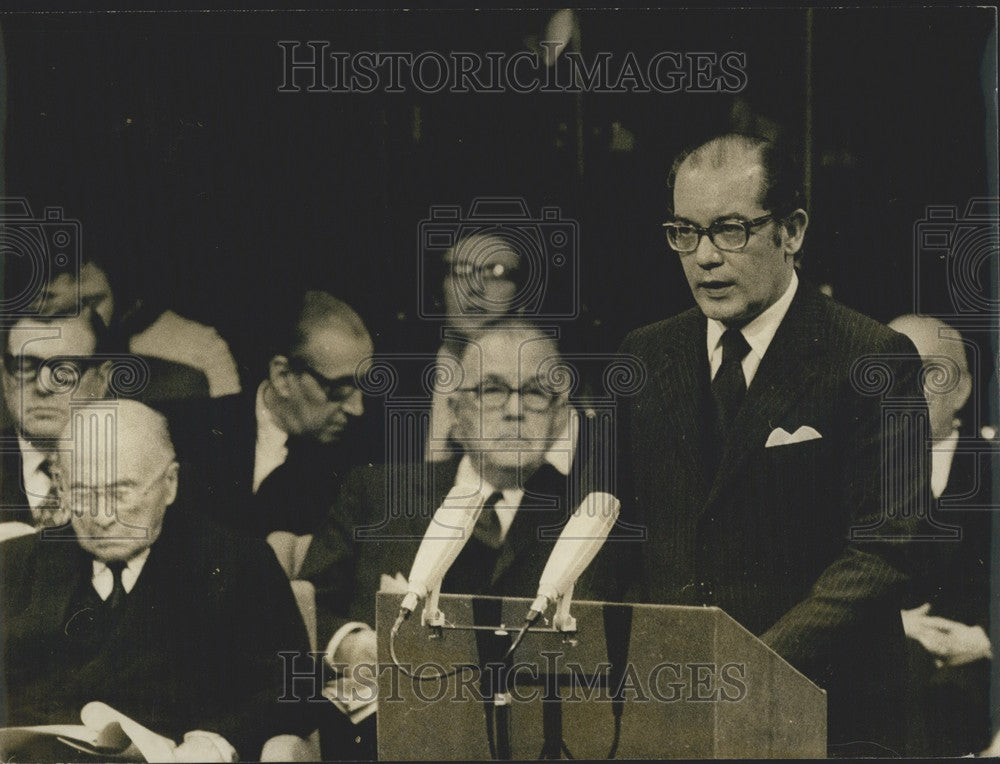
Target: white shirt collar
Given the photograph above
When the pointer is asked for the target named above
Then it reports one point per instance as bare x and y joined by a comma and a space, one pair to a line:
758, 333
560, 455
271, 449
942, 454
103, 579
31, 457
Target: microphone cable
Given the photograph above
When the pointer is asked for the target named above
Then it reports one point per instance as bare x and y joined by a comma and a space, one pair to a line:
403, 615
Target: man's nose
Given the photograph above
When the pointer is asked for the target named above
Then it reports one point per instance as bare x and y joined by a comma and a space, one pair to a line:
512, 408
354, 405
102, 515
707, 255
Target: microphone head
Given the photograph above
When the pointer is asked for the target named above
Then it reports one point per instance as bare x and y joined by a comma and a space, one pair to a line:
447, 534
578, 544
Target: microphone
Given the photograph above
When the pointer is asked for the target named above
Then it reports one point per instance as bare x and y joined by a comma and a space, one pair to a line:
445, 537
578, 544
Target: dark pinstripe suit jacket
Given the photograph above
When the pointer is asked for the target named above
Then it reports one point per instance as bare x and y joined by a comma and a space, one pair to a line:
773, 536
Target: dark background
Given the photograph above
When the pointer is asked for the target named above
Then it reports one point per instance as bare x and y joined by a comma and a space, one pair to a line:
210, 192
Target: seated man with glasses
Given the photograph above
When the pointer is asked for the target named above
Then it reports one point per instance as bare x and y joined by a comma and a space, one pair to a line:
522, 447
272, 457
49, 366
153, 612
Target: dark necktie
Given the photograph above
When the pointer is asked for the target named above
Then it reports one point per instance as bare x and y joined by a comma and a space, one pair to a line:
117, 596
729, 386
488, 529
49, 513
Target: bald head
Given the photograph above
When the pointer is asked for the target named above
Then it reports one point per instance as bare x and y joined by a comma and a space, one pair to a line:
948, 383
322, 311
121, 476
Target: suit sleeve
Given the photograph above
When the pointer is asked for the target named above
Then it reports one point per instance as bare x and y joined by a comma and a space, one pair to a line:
269, 641
885, 479
330, 561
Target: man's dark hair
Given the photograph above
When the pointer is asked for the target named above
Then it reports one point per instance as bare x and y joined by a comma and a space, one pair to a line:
782, 193
107, 341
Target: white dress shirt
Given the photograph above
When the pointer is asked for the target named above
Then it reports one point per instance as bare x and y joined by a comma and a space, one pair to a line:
104, 580
758, 334
271, 450
942, 454
559, 455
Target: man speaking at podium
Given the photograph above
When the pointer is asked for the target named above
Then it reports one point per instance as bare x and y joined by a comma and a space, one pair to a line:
756, 456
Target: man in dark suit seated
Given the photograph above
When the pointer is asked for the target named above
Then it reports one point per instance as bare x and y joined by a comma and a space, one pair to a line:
524, 449
49, 365
755, 454
158, 614
948, 614
272, 457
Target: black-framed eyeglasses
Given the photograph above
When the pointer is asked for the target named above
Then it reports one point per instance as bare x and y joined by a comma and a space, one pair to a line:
729, 234
338, 390
61, 368
495, 394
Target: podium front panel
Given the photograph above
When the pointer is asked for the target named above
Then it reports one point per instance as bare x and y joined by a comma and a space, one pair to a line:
635, 681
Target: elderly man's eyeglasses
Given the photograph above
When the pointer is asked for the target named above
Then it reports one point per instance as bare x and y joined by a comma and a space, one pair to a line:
59, 369
495, 394
337, 390
729, 235
114, 496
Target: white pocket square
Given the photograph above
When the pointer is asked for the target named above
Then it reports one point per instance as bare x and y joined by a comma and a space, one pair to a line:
781, 437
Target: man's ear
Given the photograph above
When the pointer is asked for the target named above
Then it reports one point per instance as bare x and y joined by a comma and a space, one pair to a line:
171, 477
794, 226
103, 379
278, 373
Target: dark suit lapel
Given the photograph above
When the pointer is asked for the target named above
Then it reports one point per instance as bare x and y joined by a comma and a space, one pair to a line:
61, 566
13, 500
780, 381
681, 372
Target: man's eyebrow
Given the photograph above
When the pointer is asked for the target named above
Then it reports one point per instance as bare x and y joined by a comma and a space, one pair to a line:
719, 219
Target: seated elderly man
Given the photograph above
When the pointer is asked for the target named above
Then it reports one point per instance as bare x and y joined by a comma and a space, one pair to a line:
156, 613
524, 449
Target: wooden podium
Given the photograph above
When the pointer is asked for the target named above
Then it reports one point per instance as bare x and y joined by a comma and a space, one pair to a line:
633, 681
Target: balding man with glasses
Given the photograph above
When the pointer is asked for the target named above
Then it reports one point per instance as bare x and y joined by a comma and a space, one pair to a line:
152, 612
521, 446
758, 455
271, 459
